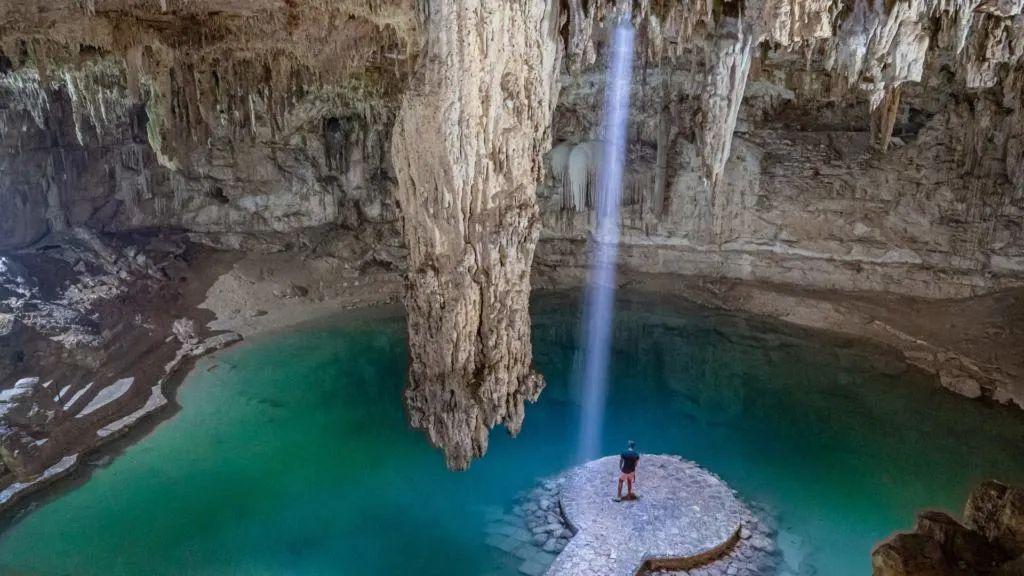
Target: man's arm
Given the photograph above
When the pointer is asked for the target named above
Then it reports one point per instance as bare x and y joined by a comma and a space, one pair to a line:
622, 463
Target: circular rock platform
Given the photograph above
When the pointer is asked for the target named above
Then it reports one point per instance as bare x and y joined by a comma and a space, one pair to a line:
685, 517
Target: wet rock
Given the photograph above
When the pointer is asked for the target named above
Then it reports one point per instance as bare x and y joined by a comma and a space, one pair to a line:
909, 555
22, 453
6, 324
988, 544
959, 543
28, 403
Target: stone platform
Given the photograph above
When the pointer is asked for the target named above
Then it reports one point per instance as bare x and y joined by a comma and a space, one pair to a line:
686, 517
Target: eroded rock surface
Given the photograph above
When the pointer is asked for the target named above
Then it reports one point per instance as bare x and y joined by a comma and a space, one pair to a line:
468, 149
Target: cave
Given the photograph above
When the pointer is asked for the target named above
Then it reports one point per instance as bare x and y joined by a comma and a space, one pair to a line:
530, 287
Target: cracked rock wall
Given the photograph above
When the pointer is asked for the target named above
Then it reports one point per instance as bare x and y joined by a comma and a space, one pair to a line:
468, 147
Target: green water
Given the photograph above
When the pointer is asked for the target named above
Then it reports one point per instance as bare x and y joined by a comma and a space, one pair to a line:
292, 455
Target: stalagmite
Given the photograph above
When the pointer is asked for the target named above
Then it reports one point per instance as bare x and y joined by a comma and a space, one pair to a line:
468, 148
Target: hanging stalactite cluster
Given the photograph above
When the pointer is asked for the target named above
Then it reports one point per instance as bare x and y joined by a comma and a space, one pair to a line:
870, 47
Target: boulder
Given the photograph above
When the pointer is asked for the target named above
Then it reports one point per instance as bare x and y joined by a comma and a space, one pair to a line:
997, 512
909, 555
961, 545
185, 331
983, 506
22, 453
28, 404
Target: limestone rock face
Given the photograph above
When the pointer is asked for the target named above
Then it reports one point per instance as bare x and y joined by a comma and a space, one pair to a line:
723, 91
121, 118
468, 146
859, 151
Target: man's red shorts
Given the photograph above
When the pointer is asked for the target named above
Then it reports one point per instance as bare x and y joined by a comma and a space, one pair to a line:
631, 477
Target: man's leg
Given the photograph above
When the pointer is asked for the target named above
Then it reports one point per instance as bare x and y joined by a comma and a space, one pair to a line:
620, 487
629, 484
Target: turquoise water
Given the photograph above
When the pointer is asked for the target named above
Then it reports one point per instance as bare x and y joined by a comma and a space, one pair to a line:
291, 454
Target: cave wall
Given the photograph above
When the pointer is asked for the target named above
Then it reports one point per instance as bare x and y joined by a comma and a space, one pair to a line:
761, 148
898, 172
826, 144
218, 119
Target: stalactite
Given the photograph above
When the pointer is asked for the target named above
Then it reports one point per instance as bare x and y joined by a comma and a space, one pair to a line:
470, 217
179, 189
723, 92
580, 51
883, 117
661, 163
28, 92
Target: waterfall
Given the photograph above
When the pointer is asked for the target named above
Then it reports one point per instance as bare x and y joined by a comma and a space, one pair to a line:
598, 312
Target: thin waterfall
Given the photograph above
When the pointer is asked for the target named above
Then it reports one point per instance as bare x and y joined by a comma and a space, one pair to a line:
599, 303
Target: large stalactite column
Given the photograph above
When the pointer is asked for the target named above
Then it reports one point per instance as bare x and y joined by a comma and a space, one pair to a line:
467, 148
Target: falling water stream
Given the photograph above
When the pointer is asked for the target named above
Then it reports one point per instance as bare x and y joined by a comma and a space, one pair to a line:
599, 310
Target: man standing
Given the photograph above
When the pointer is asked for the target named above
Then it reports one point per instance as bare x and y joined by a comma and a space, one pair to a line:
627, 468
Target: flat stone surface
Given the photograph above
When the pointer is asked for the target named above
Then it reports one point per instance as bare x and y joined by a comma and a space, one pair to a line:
683, 512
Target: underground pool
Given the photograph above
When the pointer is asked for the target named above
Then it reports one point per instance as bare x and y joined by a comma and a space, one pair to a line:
291, 454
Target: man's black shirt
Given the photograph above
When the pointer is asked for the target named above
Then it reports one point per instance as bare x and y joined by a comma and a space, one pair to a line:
629, 459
